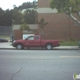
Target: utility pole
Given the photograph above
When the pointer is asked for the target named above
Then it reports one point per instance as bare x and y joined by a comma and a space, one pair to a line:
69, 28
35, 11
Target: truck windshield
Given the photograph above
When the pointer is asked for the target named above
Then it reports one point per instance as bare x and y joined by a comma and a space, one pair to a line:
30, 38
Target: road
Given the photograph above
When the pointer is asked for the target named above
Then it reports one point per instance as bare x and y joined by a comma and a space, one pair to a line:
39, 64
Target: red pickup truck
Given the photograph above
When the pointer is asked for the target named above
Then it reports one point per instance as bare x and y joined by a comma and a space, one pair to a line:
35, 41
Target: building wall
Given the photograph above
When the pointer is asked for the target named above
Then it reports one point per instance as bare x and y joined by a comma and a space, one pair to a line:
43, 3
60, 26
31, 26
18, 34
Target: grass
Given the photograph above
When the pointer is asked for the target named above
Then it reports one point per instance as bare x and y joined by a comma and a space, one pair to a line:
6, 37
69, 43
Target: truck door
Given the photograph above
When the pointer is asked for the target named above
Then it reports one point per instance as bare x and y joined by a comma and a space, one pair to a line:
30, 41
37, 40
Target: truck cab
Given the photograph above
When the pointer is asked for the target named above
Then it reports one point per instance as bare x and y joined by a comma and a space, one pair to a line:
33, 41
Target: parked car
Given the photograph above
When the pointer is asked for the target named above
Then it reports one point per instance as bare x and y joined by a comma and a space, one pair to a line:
3, 40
35, 41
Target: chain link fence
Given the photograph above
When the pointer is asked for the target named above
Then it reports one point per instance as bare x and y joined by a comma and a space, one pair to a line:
5, 31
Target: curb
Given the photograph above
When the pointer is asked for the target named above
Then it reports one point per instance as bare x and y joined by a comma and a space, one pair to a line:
67, 49
8, 49
42, 49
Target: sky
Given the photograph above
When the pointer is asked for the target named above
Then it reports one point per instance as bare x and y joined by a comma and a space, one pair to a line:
8, 4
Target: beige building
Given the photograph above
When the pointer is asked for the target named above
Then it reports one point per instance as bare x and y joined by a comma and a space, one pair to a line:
33, 27
18, 34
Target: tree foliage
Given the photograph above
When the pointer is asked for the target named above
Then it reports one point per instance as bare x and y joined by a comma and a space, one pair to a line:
24, 27
42, 23
5, 17
27, 5
67, 6
29, 16
16, 16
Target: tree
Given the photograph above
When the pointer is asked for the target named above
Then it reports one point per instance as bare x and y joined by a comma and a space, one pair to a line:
5, 17
24, 27
42, 23
17, 16
8, 17
67, 6
29, 16
2, 14
26, 5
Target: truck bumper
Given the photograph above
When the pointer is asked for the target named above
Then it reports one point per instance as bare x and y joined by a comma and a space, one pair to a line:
14, 45
57, 45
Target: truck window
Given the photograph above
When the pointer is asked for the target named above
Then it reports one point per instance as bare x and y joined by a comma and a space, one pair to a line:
37, 37
30, 38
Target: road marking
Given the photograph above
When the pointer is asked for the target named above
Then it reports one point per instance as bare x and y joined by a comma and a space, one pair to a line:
70, 56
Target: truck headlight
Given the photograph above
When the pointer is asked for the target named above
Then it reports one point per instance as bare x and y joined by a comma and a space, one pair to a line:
14, 41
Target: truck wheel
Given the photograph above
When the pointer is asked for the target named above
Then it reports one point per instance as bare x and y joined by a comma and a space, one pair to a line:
19, 46
27, 47
48, 46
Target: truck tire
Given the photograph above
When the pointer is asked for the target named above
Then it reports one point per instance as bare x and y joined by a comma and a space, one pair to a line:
19, 46
28, 48
48, 46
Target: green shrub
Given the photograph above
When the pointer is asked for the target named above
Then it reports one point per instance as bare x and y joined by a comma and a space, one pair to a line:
72, 39
61, 41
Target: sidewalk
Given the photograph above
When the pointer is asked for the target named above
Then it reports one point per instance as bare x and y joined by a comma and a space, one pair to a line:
67, 48
8, 46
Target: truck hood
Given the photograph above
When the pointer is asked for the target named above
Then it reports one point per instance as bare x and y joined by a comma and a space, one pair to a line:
20, 40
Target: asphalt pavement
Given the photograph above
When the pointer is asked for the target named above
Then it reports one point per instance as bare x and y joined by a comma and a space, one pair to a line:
39, 65
8, 46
